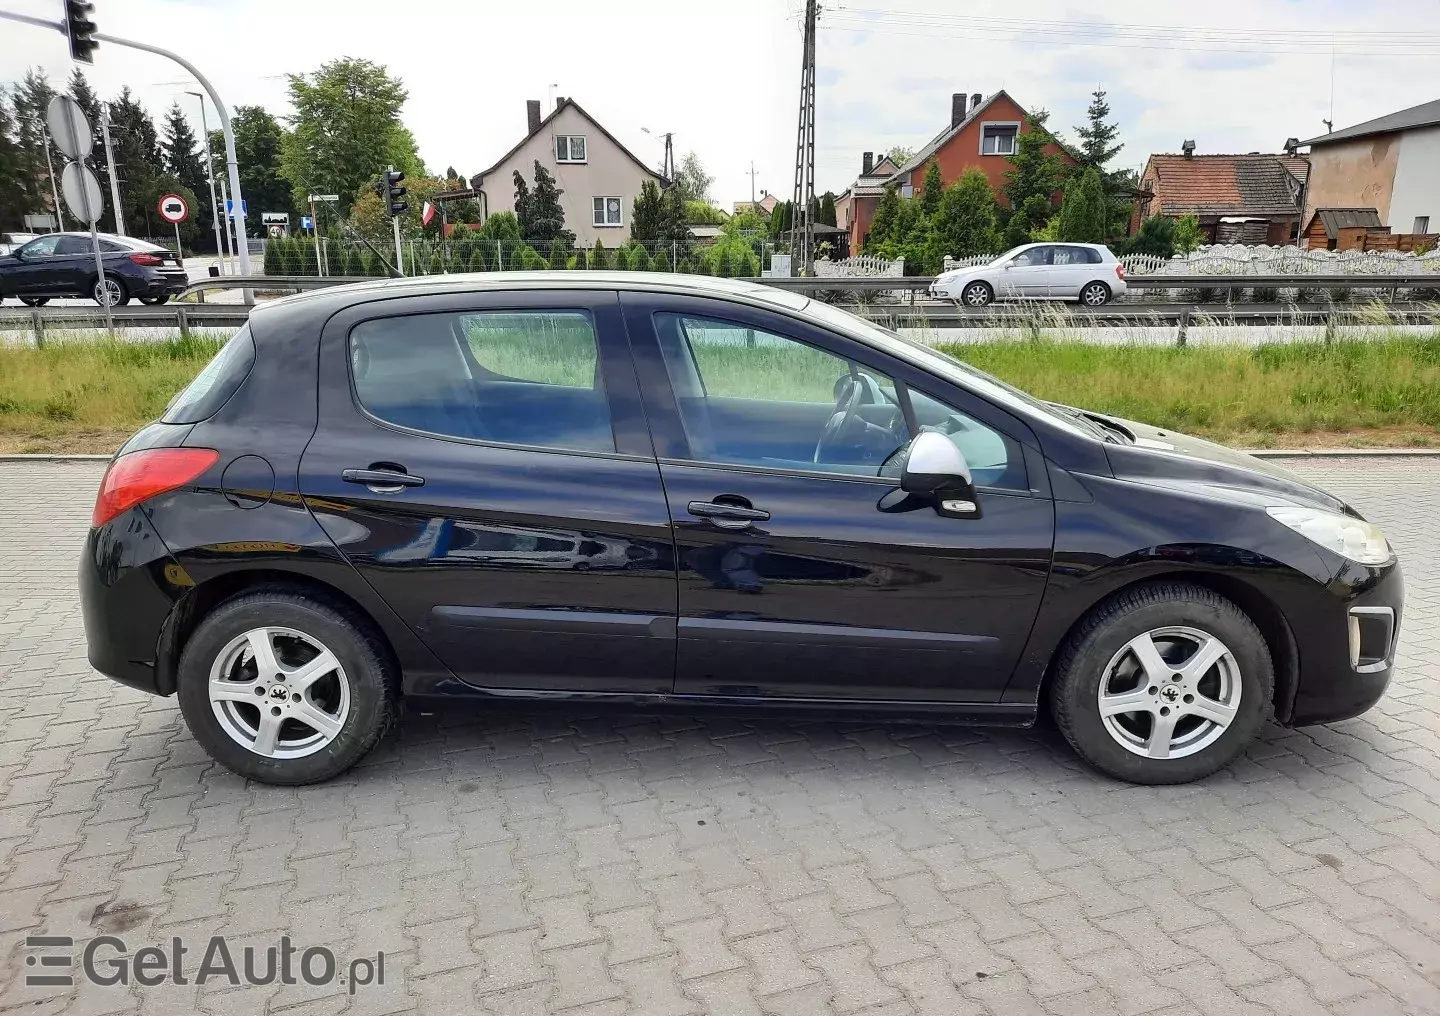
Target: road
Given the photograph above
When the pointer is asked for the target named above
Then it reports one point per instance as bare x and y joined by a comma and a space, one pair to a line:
528, 862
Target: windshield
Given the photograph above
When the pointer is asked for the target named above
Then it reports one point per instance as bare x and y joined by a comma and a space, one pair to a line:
943, 363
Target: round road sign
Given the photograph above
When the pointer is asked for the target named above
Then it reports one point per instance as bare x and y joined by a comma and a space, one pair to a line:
173, 208
69, 128
82, 192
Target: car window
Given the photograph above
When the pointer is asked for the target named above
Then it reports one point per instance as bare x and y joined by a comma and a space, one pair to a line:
1033, 257
995, 459
70, 245
516, 377
752, 397
111, 247
1072, 255
213, 386
43, 247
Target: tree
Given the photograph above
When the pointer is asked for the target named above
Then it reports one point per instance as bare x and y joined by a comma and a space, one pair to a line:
1187, 234
647, 215
139, 163
371, 218
1156, 236
183, 162
1097, 136
30, 98
674, 230
887, 216
346, 130
691, 178
523, 201
965, 220
1084, 217
700, 213
13, 204
931, 189
826, 213
1035, 175
89, 103
546, 229
259, 142
900, 154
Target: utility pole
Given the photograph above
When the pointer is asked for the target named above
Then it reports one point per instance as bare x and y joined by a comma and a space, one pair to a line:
752, 186
210, 175
114, 177
802, 221
54, 184
669, 156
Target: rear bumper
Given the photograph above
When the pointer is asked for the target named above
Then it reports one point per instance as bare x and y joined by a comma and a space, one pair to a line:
1335, 683
128, 587
161, 284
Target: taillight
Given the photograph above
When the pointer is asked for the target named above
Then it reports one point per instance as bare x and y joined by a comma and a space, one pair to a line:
148, 260
141, 475
1119, 271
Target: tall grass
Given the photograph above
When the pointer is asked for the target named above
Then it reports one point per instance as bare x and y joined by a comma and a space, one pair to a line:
85, 396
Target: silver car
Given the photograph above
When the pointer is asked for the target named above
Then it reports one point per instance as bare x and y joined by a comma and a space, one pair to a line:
9, 242
1086, 272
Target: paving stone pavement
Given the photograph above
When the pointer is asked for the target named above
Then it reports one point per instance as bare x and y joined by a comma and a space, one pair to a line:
561, 862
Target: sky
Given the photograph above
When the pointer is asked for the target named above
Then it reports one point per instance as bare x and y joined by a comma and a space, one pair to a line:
1234, 75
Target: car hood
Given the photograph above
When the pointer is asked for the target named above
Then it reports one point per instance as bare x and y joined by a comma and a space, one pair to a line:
1165, 457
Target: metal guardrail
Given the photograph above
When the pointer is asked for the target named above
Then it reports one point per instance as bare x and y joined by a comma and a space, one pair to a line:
1228, 283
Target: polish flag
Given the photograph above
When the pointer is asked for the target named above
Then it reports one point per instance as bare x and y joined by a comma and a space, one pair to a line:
426, 214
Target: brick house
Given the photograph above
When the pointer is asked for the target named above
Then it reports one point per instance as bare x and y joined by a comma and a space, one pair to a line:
981, 135
855, 207
1253, 198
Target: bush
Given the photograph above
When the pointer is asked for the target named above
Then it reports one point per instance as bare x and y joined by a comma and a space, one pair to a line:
437, 263
477, 261
1156, 236
531, 260
273, 258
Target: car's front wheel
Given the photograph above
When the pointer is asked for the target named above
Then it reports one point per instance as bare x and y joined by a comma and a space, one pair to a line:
110, 292
977, 294
1164, 683
286, 689
1096, 294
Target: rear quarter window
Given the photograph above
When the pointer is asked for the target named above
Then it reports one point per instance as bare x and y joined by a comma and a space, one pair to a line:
213, 386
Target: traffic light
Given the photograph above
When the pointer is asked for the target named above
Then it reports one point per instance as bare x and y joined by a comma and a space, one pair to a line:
81, 30
394, 195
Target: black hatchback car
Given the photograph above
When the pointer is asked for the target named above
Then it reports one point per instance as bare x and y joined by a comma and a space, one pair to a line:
63, 264
650, 489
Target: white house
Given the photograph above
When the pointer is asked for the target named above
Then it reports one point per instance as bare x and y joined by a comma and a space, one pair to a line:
599, 176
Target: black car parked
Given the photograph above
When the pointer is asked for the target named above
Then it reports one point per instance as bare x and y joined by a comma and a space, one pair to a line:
63, 264
650, 489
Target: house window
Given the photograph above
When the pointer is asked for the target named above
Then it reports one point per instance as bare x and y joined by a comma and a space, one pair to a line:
607, 212
569, 148
1422, 224
998, 138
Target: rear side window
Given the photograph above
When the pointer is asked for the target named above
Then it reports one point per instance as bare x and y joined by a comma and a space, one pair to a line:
213, 386
72, 245
513, 377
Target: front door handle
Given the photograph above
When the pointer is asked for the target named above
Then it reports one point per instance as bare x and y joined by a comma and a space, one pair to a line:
383, 481
727, 516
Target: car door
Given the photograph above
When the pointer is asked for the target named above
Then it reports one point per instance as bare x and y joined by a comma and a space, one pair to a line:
72, 263
804, 572
1026, 276
482, 459
33, 264
1071, 269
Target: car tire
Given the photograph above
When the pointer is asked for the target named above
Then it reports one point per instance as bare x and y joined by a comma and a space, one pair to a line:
1095, 294
977, 294
120, 295
155, 301
1101, 670
34, 301
346, 710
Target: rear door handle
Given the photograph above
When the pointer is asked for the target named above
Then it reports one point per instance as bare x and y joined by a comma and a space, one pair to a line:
727, 516
382, 481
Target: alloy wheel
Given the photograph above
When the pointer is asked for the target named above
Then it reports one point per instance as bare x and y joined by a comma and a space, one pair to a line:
279, 692
977, 294
1170, 692
1095, 295
108, 293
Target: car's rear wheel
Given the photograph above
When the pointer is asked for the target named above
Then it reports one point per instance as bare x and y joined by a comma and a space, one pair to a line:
977, 294
1165, 683
155, 301
110, 292
1096, 294
34, 301
286, 689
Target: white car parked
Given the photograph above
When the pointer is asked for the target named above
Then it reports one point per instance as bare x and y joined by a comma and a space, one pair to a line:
1087, 272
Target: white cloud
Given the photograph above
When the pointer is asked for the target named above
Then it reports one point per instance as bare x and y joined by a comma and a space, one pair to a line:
725, 77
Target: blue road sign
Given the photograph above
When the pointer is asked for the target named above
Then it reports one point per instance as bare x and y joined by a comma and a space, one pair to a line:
230, 208
306, 222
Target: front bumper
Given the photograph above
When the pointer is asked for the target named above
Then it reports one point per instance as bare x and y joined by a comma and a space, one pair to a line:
128, 587
1347, 651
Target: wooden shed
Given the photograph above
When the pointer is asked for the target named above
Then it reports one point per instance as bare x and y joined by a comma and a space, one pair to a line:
1325, 228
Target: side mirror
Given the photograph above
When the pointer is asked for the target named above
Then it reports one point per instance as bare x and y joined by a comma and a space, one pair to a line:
935, 467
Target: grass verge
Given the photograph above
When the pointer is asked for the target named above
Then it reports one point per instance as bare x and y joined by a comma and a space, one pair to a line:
87, 396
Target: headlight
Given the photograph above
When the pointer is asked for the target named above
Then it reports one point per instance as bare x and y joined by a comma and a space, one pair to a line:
1348, 537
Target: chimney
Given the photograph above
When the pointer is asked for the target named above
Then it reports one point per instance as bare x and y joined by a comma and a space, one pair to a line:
532, 114
975, 101
957, 108
867, 163
1188, 148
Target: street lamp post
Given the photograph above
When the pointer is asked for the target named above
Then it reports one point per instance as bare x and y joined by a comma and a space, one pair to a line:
210, 172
